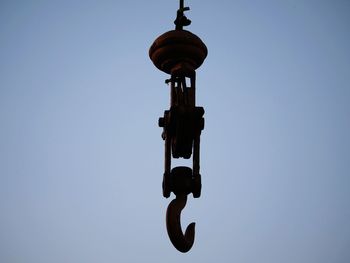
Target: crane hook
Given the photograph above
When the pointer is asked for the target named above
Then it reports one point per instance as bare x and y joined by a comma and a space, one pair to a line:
181, 242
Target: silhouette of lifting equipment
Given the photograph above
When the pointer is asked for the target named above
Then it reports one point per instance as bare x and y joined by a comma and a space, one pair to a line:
179, 53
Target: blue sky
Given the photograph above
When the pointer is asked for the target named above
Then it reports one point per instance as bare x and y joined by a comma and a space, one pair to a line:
81, 157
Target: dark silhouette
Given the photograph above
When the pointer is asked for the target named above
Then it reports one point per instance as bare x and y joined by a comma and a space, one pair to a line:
179, 53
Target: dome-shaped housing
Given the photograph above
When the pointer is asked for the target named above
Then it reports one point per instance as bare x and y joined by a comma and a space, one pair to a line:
175, 47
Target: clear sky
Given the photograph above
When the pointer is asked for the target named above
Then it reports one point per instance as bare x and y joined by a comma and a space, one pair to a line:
81, 156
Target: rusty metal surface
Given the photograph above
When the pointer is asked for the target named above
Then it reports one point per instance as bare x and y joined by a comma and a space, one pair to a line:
175, 47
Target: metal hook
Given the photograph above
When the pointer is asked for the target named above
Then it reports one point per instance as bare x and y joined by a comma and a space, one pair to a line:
181, 242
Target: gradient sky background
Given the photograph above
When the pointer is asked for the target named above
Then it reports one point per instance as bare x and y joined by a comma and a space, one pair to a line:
81, 156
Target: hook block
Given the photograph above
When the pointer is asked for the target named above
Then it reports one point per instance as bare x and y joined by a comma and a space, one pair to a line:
181, 177
181, 181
